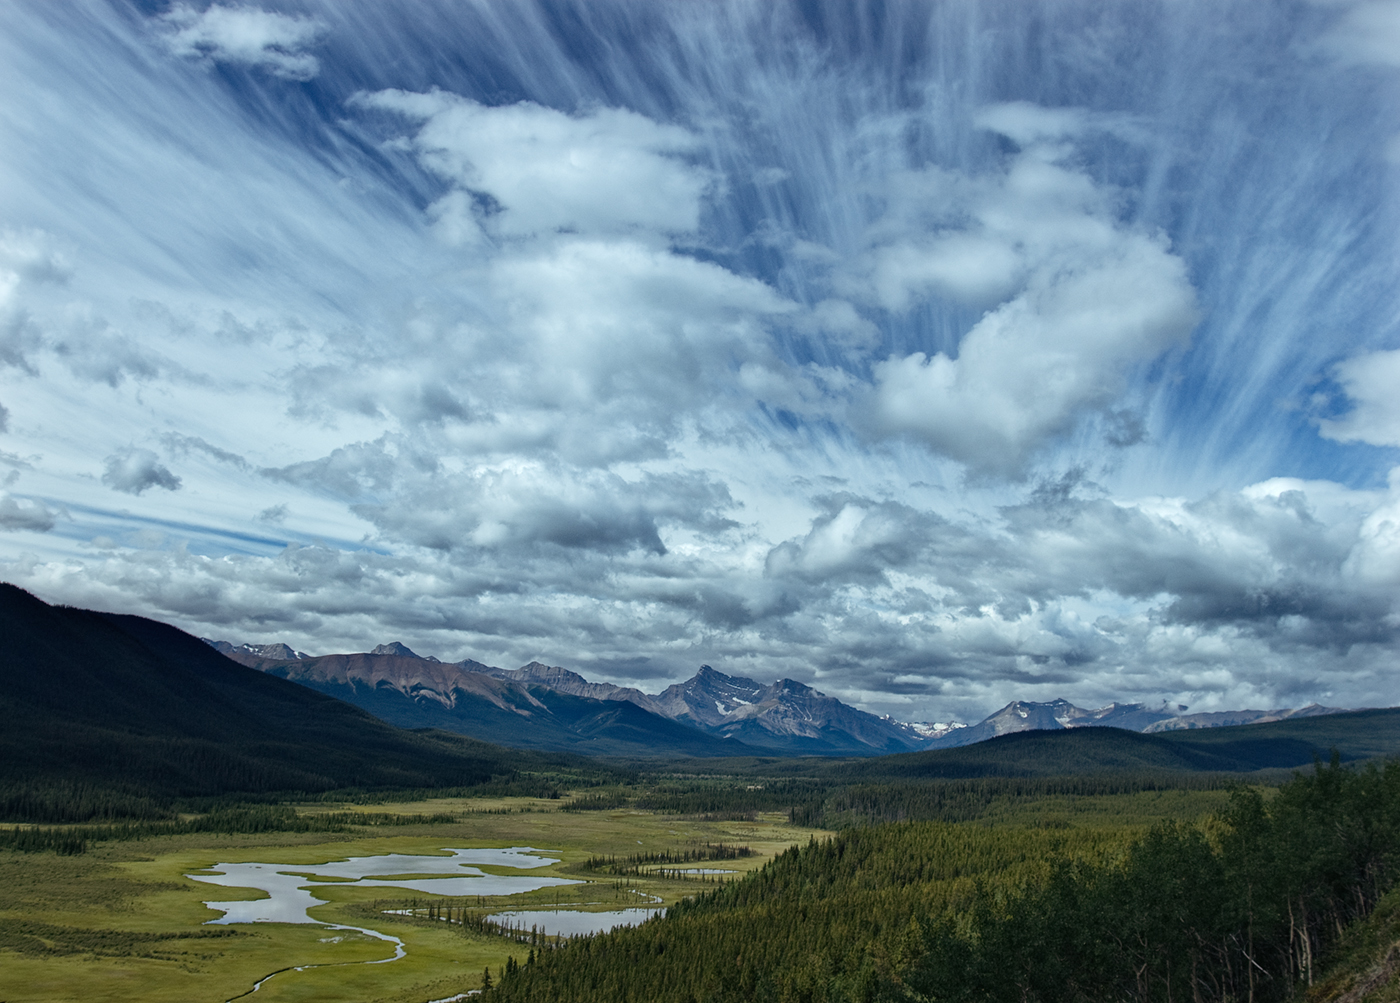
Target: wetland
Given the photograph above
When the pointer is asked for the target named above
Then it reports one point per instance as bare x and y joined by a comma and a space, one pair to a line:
203, 916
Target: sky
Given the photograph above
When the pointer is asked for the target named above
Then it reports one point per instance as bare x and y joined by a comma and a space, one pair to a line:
933, 354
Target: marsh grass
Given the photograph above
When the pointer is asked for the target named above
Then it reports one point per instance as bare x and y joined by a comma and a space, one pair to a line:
122, 922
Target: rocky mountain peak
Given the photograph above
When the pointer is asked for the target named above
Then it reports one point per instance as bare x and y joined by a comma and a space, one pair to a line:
278, 650
399, 649
545, 673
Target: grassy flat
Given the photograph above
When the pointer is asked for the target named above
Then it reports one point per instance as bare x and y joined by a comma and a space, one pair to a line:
123, 922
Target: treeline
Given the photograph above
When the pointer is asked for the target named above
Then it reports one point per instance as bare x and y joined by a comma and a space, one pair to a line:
731, 799
605, 801
56, 802
65, 801
633, 863
1242, 908
470, 917
819, 803
73, 840
966, 800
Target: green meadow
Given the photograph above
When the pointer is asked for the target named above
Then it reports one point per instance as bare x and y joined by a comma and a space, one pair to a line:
122, 921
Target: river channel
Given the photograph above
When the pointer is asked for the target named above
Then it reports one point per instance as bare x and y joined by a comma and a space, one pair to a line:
291, 888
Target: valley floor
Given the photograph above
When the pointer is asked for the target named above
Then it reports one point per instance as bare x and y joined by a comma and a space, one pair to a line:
123, 922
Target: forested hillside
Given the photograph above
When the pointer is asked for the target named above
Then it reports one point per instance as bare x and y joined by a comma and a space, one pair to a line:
1242, 907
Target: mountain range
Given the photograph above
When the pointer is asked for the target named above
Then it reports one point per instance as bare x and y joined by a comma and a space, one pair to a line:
547, 707
1021, 715
711, 714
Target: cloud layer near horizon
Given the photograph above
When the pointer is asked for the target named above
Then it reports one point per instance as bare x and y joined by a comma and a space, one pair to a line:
933, 376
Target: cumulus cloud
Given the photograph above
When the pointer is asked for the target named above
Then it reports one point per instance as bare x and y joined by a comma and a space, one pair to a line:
246, 36
1216, 593
134, 470
525, 169
27, 258
612, 321
1083, 300
1375, 557
1028, 124
93, 350
33, 264
25, 514
856, 539
1370, 382
511, 506
596, 339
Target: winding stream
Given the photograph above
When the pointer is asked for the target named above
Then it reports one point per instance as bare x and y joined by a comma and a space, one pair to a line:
290, 888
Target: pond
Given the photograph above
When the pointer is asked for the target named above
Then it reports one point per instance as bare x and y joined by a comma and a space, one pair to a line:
573, 922
291, 887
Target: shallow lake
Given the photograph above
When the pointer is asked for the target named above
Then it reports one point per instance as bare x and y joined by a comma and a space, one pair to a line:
290, 887
572, 922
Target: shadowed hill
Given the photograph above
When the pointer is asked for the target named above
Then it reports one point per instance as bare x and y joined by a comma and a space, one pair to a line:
129, 704
1357, 734
1242, 748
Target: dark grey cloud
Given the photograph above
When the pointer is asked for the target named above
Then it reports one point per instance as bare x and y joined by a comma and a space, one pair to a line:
93, 351
26, 513
349, 472
19, 340
857, 539
134, 470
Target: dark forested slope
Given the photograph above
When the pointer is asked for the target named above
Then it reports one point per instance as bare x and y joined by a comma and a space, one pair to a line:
1245, 907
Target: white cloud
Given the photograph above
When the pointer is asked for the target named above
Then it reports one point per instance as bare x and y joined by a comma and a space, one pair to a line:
27, 258
1029, 124
1375, 559
247, 36
970, 269
1365, 34
618, 320
1372, 383
1089, 299
605, 171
